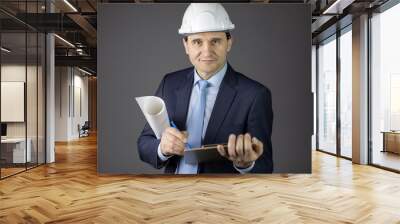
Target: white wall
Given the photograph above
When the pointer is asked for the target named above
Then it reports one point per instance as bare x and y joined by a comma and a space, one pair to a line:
61, 103
17, 73
70, 83
14, 72
79, 117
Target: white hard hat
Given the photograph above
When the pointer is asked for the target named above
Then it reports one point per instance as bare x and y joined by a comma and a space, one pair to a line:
205, 17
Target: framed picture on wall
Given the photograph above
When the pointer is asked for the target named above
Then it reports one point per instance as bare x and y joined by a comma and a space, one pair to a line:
12, 101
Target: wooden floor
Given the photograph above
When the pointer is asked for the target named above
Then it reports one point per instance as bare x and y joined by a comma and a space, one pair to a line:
70, 191
387, 159
5, 172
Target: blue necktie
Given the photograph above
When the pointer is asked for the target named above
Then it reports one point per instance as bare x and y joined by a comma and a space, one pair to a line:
195, 128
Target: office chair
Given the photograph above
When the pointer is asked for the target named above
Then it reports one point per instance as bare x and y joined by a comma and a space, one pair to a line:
84, 130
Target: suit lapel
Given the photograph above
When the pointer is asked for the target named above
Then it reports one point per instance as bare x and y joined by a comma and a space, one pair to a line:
182, 96
225, 97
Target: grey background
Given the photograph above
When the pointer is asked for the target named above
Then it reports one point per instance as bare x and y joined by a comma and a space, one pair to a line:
139, 43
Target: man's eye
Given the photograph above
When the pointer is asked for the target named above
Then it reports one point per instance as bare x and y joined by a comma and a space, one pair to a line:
196, 42
215, 41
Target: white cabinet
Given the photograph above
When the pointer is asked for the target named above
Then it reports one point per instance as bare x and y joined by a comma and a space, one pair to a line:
17, 145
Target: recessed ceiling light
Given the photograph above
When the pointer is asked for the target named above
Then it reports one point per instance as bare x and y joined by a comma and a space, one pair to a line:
338, 6
64, 40
70, 5
5, 50
84, 71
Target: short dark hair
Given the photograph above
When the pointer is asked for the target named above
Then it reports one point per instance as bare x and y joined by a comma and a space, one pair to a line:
228, 36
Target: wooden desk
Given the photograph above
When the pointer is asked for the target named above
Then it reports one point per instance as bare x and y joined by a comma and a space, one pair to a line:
391, 141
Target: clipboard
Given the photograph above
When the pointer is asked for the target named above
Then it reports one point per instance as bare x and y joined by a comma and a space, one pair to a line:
205, 153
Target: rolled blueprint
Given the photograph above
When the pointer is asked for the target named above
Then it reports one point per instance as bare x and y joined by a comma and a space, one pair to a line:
156, 114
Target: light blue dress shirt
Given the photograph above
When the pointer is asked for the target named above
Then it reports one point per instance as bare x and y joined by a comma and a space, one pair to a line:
212, 92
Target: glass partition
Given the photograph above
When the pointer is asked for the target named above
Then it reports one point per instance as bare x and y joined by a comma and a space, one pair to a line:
14, 153
31, 100
327, 95
41, 87
22, 77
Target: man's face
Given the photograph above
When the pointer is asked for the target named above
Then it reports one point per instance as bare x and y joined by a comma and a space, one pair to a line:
207, 51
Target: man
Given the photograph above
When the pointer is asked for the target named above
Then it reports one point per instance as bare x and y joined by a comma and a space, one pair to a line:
213, 103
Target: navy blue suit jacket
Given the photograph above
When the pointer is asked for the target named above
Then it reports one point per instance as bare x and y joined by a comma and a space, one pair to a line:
242, 105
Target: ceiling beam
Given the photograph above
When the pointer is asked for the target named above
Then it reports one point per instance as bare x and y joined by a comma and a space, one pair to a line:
83, 61
84, 24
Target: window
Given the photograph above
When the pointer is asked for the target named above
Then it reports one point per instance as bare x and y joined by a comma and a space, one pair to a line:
346, 93
385, 88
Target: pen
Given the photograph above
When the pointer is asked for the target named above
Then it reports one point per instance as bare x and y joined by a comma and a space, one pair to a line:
174, 126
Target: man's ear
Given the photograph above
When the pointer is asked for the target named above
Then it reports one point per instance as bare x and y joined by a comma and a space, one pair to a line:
185, 45
230, 42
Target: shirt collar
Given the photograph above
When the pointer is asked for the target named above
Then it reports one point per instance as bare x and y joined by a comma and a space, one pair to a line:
215, 80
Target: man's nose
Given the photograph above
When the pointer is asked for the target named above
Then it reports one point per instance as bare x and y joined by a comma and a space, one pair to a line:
207, 48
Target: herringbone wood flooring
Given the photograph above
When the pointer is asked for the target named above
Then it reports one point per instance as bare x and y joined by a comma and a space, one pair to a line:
70, 191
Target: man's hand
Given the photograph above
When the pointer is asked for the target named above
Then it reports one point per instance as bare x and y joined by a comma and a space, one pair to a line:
173, 142
242, 150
